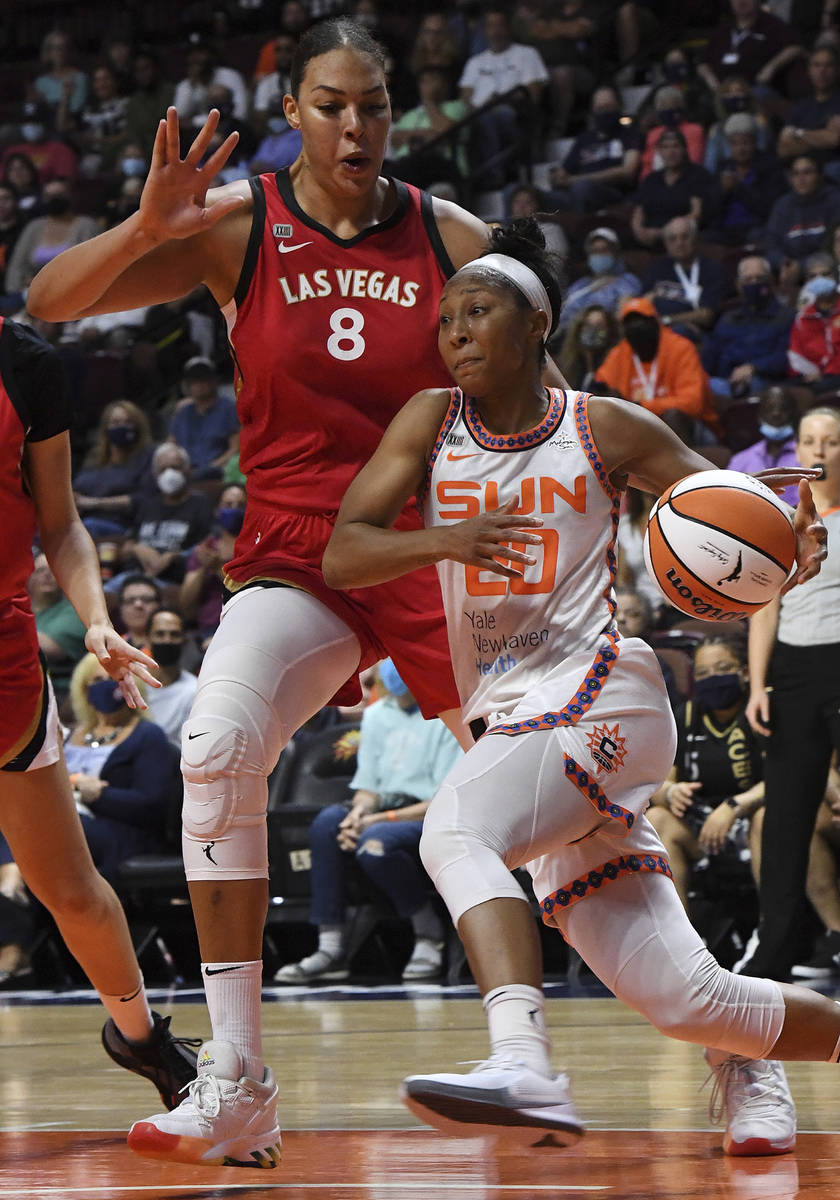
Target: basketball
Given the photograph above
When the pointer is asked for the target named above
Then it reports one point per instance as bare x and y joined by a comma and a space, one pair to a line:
719, 545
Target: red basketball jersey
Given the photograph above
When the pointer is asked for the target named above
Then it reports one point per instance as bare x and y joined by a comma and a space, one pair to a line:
330, 338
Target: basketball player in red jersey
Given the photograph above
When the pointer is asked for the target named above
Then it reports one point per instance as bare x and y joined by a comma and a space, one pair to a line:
37, 812
328, 276
522, 523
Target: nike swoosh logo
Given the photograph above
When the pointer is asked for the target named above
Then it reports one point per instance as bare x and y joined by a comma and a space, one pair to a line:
284, 249
457, 457
222, 970
126, 999
204, 733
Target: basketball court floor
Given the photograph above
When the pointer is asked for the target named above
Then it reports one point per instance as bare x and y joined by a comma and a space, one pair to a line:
339, 1055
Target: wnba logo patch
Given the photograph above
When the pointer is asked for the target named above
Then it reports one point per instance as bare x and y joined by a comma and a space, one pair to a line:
607, 747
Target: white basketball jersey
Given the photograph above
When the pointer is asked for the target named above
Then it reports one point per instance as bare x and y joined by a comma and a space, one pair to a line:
506, 635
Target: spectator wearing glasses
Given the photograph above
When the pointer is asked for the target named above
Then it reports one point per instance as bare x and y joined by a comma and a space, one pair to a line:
139, 597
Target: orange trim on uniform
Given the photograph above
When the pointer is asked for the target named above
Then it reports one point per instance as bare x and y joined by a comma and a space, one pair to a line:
594, 880
451, 416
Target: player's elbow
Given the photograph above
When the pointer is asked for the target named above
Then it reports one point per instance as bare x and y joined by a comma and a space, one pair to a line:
336, 565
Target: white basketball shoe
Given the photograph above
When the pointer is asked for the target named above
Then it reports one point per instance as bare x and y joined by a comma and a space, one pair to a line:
754, 1095
499, 1098
227, 1119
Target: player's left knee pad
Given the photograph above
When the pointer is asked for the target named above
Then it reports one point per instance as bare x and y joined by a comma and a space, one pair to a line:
698, 1000
464, 868
225, 798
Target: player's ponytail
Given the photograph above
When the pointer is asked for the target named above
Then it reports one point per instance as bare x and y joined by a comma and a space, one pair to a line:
523, 240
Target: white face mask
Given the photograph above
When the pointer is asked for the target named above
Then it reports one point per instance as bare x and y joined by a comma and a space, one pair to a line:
30, 132
171, 480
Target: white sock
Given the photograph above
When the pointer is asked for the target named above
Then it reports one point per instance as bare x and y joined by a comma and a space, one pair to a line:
331, 940
516, 1018
131, 1013
234, 995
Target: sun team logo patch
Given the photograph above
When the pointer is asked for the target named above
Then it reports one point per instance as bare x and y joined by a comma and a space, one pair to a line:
282, 231
607, 747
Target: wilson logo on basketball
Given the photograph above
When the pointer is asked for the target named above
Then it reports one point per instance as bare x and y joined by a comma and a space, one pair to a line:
700, 607
607, 747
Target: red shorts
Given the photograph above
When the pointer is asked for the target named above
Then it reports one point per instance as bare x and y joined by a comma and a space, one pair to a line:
402, 619
22, 681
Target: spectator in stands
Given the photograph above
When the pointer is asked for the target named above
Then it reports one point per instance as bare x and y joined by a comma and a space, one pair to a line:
169, 523
712, 803
61, 85
814, 353
121, 767
192, 93
101, 125
220, 96
734, 97
115, 471
503, 66
45, 237
747, 349
150, 98
434, 115
602, 165
752, 44
169, 705
565, 35
799, 219
202, 592
777, 419
608, 282
276, 84
659, 369
204, 422
138, 598
749, 181
280, 145
670, 114
525, 200
812, 125
61, 634
294, 19
635, 616
592, 333
631, 572
681, 188
434, 45
823, 886
118, 53
20, 171
687, 288
816, 265
401, 761
49, 157
11, 224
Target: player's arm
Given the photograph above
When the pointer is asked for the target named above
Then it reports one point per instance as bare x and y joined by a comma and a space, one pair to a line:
638, 448
176, 240
760, 643
365, 550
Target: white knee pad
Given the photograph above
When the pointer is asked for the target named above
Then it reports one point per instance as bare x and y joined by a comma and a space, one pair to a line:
464, 868
225, 797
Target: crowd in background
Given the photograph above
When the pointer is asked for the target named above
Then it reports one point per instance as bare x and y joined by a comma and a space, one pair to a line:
685, 169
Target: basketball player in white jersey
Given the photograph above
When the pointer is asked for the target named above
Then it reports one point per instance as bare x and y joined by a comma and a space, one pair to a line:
521, 487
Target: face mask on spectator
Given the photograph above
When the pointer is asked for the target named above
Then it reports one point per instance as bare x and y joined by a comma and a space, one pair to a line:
133, 167
231, 519
391, 679
607, 122
719, 691
277, 124
775, 433
57, 206
601, 264
670, 117
122, 436
166, 654
171, 480
105, 696
755, 294
30, 131
593, 337
676, 72
643, 335
735, 104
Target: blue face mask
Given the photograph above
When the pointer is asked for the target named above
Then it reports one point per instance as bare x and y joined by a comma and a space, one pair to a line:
601, 264
775, 433
105, 696
390, 678
231, 519
133, 167
718, 691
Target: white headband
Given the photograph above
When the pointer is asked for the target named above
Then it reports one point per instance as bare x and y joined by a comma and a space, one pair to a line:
526, 280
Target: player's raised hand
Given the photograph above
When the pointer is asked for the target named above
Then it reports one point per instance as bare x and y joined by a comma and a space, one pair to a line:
122, 662
489, 540
173, 201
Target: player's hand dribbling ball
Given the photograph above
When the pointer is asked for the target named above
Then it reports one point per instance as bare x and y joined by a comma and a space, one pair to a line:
719, 545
